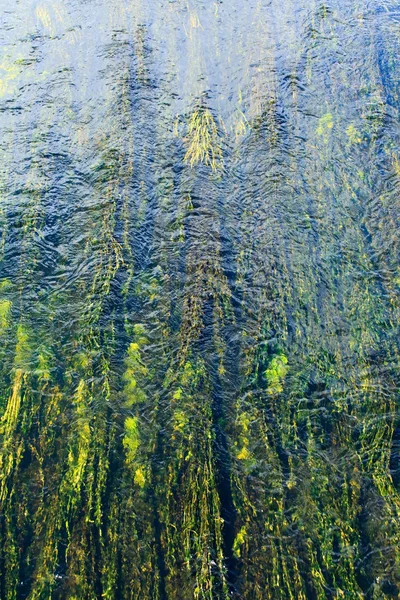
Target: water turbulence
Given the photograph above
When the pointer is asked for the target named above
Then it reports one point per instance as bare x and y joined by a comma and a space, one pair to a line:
199, 300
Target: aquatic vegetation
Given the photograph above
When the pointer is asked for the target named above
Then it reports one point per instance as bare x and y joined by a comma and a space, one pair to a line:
203, 144
131, 439
276, 372
79, 450
325, 124
193, 538
5, 308
134, 376
199, 309
9, 72
353, 135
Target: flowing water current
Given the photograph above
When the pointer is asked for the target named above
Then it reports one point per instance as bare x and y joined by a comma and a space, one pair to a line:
199, 299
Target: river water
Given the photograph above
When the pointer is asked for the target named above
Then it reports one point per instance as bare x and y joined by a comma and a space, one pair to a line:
199, 299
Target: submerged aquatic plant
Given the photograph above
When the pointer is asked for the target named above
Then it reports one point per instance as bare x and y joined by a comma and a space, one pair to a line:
276, 372
203, 143
199, 352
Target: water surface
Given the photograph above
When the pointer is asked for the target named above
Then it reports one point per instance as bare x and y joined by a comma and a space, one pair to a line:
199, 300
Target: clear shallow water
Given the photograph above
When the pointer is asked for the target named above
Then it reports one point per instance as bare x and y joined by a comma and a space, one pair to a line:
199, 300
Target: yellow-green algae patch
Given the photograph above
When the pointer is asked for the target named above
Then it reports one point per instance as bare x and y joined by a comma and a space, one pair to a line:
276, 373
131, 438
353, 134
325, 124
203, 145
5, 310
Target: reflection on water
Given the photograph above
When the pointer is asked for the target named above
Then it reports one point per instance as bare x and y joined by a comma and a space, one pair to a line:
199, 299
